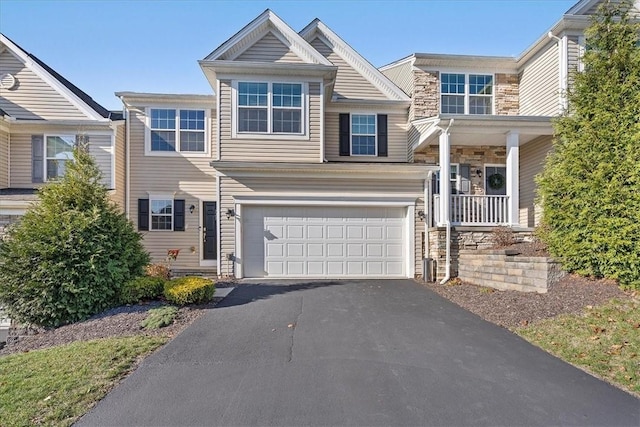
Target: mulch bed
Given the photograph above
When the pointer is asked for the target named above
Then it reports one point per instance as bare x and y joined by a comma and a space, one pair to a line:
117, 322
512, 309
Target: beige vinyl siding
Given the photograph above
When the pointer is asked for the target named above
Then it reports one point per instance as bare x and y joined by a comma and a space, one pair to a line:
20, 160
32, 97
539, 84
269, 49
402, 76
4, 159
349, 82
270, 150
327, 187
101, 150
397, 140
188, 178
532, 157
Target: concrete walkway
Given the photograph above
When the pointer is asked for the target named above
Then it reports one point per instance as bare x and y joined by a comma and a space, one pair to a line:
361, 353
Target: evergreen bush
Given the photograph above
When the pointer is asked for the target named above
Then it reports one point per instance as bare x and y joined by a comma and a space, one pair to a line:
142, 288
590, 185
70, 254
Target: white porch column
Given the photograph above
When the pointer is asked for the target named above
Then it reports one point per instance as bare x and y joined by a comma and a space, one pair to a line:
445, 182
513, 177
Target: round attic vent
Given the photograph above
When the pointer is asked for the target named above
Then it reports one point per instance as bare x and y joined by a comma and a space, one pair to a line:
7, 81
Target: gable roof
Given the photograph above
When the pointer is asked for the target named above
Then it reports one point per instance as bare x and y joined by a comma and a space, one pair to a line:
67, 89
266, 22
585, 7
354, 59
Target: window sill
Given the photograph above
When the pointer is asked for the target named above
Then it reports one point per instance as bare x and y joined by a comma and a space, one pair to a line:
270, 136
175, 154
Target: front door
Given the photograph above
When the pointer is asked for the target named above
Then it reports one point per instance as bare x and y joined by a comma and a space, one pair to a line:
209, 233
495, 180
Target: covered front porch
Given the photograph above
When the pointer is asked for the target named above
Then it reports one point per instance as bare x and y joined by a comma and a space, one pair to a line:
483, 168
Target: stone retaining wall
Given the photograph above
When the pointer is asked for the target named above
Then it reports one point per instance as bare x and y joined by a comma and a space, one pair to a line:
504, 269
463, 238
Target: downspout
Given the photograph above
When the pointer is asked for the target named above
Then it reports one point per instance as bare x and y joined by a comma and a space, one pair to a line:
427, 222
447, 223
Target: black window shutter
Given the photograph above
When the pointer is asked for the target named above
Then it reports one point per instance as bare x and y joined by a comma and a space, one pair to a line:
345, 135
178, 215
143, 214
465, 179
37, 158
382, 135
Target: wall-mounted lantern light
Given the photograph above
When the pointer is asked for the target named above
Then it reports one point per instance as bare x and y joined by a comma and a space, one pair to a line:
230, 213
192, 208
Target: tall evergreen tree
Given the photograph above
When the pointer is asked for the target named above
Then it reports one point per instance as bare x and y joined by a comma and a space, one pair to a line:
590, 185
70, 254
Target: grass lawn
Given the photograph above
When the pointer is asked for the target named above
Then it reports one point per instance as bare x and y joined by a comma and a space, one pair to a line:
603, 340
55, 386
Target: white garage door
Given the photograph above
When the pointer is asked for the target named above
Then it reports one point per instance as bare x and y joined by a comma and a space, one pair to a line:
290, 241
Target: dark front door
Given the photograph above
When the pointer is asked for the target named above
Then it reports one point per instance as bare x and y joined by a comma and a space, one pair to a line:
209, 233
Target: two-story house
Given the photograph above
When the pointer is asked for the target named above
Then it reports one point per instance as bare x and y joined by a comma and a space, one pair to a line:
307, 161
297, 166
42, 117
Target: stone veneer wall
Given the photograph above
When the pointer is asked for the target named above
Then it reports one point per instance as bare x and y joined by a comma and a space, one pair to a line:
426, 92
463, 239
476, 157
507, 93
505, 270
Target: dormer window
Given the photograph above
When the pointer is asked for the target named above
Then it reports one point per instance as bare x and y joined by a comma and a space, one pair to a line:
270, 108
466, 93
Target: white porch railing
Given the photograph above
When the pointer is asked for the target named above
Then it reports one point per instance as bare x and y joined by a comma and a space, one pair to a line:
474, 210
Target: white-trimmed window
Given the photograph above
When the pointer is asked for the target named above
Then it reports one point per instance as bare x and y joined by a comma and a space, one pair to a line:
161, 214
466, 93
363, 135
270, 108
454, 178
177, 130
58, 151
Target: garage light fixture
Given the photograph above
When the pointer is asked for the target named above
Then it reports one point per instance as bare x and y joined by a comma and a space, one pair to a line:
230, 213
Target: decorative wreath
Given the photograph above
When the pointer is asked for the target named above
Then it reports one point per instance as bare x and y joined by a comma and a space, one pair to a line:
496, 181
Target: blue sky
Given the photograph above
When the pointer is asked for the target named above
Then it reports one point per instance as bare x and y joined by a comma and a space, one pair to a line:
153, 46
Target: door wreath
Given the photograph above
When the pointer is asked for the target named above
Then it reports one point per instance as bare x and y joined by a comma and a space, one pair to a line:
496, 181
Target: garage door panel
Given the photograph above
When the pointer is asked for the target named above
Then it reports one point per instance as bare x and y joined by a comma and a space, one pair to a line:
324, 241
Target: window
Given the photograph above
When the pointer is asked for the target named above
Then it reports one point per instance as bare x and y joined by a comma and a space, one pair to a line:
172, 130
466, 93
270, 108
59, 151
161, 213
453, 177
363, 135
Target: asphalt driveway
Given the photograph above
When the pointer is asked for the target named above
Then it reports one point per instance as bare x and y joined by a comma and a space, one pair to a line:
386, 352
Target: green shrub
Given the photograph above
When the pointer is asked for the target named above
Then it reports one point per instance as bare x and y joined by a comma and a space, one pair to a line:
141, 288
160, 317
157, 270
589, 185
70, 254
189, 290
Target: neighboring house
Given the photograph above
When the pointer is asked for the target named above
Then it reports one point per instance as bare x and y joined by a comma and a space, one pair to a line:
306, 161
42, 117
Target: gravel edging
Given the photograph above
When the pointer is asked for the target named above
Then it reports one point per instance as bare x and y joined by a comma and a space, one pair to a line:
513, 309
